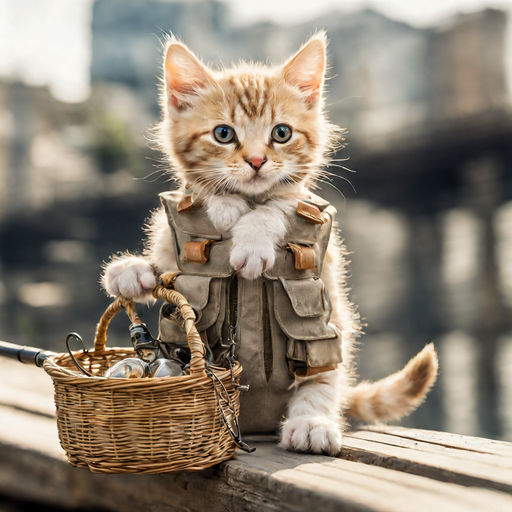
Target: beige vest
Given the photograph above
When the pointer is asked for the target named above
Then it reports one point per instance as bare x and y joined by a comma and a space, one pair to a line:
282, 318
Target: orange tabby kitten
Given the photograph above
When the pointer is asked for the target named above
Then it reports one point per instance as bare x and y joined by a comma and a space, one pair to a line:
246, 144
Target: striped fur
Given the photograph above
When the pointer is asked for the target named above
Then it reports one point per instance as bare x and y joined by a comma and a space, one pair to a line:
398, 394
252, 99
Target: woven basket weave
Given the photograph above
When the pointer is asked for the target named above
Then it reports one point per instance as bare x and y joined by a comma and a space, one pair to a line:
144, 425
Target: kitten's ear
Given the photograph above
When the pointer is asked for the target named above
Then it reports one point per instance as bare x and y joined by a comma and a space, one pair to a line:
184, 74
306, 68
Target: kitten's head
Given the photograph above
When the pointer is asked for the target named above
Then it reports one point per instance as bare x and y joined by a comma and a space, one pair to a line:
249, 129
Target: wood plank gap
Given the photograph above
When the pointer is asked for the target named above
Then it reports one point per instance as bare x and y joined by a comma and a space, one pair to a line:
427, 441
369, 453
22, 408
407, 488
492, 446
484, 460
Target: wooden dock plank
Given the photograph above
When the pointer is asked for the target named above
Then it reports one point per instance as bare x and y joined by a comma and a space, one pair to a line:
382, 468
481, 461
467, 443
386, 451
29, 431
26, 387
271, 479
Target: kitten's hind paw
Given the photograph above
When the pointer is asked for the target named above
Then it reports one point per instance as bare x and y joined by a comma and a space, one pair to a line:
312, 434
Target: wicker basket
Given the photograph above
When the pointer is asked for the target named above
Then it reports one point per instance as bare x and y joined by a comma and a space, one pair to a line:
144, 425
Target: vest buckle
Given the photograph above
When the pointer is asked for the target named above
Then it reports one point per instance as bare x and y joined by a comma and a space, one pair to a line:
197, 252
304, 257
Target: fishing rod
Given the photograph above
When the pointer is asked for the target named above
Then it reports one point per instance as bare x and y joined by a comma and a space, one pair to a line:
25, 354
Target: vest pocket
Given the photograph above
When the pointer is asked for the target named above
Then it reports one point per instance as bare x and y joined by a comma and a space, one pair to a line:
204, 294
302, 263
302, 311
170, 327
317, 353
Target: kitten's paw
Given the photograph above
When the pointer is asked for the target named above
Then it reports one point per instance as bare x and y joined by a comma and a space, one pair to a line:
225, 210
313, 434
131, 277
251, 259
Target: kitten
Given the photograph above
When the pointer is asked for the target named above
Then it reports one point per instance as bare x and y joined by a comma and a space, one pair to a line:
247, 143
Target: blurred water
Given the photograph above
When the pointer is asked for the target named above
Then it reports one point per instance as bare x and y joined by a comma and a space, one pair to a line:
429, 230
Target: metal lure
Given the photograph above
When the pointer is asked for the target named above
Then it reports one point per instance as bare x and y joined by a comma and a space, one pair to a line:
129, 368
165, 368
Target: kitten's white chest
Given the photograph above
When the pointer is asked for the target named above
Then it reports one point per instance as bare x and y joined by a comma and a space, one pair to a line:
224, 211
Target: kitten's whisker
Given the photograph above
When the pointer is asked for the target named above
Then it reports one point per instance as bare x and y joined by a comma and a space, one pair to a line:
342, 167
325, 174
340, 159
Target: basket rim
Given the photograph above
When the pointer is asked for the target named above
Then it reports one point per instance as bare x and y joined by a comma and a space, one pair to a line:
62, 374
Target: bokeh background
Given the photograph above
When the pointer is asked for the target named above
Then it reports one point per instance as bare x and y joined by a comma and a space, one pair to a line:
423, 190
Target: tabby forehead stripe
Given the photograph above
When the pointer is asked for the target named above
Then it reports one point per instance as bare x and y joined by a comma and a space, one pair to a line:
306, 135
252, 95
265, 97
243, 105
250, 102
192, 139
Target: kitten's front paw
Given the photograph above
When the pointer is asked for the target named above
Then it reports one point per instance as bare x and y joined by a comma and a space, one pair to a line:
251, 259
131, 277
225, 210
313, 434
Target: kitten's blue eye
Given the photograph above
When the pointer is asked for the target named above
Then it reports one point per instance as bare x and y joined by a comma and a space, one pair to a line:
224, 134
281, 133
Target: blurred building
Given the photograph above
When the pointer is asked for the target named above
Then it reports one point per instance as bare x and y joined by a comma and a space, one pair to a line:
387, 75
128, 36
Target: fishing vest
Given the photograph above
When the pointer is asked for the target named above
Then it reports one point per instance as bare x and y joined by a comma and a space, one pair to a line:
279, 322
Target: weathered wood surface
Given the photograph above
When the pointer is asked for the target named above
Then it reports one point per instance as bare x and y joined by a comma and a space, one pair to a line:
381, 469
434, 457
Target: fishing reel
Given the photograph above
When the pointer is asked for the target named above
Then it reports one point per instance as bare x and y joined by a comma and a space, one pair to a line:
149, 349
146, 347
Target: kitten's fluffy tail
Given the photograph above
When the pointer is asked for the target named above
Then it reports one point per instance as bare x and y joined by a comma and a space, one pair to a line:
398, 394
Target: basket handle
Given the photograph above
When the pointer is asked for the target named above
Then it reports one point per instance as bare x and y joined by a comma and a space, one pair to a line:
162, 292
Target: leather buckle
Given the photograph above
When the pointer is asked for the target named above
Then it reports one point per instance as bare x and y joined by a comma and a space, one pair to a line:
197, 252
309, 371
304, 256
310, 212
185, 204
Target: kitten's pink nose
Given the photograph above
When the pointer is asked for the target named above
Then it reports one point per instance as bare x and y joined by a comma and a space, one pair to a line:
256, 162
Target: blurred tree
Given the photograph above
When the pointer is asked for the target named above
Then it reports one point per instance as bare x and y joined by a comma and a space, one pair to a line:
112, 143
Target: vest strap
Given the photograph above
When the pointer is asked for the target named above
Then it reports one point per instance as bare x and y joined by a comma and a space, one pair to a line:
185, 204
309, 371
310, 212
304, 256
197, 252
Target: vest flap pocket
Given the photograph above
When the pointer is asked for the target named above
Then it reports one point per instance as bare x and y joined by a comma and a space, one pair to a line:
294, 319
306, 296
316, 353
193, 221
212, 263
195, 288
170, 329
204, 295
